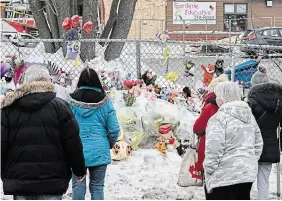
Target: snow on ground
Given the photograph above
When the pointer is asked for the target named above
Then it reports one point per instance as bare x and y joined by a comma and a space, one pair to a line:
150, 176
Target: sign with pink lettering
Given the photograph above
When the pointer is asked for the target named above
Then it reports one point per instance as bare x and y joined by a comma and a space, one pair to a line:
194, 12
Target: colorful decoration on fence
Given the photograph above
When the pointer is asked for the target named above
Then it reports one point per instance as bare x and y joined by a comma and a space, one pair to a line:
163, 37
189, 68
72, 36
4, 68
172, 76
208, 74
16, 70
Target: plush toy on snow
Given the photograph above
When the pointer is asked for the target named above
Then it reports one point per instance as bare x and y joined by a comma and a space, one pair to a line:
72, 36
121, 149
208, 74
166, 131
219, 67
161, 145
149, 78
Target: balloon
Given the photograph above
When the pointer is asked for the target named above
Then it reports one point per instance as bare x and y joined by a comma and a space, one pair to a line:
75, 20
67, 24
87, 27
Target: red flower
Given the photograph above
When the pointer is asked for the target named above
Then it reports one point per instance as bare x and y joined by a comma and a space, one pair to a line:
87, 27
67, 24
75, 20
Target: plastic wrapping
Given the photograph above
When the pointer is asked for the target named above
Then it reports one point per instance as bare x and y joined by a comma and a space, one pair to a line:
185, 129
131, 124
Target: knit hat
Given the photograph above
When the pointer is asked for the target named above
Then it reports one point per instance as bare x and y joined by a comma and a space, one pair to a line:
36, 73
260, 76
216, 81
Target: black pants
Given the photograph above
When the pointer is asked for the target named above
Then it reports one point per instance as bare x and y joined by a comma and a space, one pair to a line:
233, 192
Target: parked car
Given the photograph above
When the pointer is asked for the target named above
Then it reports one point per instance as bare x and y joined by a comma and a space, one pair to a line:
271, 36
11, 35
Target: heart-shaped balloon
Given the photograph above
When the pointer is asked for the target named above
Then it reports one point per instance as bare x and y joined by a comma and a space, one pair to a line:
75, 20
67, 24
87, 27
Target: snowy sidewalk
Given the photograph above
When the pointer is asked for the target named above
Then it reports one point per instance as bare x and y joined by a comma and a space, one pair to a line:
147, 175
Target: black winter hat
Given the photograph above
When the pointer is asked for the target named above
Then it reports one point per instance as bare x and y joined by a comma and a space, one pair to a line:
89, 78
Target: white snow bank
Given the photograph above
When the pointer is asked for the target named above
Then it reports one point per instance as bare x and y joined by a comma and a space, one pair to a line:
148, 175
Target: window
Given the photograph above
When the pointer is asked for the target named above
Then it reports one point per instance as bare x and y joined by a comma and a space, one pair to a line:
235, 17
241, 8
271, 33
280, 31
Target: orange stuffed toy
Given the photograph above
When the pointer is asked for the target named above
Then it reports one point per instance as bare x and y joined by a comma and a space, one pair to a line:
161, 146
208, 74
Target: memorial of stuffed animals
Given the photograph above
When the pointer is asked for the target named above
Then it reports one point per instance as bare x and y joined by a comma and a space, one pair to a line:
148, 121
150, 116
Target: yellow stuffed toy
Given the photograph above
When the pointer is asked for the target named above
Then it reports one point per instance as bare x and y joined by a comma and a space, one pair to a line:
121, 149
160, 146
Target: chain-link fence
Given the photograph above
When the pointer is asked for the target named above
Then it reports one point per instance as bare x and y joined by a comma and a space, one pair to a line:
139, 55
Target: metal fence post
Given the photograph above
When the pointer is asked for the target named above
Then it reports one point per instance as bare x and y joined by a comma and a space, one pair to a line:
230, 52
138, 59
206, 36
183, 35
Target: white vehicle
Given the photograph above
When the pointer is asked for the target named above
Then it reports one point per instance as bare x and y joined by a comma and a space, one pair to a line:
11, 33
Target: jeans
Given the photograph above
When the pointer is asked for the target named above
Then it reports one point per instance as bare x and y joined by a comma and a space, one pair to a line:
264, 170
96, 184
233, 192
38, 197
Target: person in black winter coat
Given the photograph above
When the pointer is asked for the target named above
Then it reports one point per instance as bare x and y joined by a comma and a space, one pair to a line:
265, 100
40, 142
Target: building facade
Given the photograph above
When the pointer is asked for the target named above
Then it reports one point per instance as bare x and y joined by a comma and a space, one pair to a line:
217, 17
148, 19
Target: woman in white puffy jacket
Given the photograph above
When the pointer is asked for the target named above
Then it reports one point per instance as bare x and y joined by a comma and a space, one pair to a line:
233, 146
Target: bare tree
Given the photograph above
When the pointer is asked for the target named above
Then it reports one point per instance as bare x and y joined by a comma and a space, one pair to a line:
51, 12
121, 28
111, 21
89, 14
37, 10
117, 27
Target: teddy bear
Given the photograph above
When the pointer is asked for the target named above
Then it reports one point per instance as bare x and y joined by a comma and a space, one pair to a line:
149, 78
208, 74
219, 67
166, 130
170, 141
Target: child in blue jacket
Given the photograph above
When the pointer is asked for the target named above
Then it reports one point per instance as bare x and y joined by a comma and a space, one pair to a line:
99, 130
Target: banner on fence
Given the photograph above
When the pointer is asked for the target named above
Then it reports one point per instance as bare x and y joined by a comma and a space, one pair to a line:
194, 12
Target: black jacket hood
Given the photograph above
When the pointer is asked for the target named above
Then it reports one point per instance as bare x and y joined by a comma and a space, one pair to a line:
31, 96
34, 102
268, 95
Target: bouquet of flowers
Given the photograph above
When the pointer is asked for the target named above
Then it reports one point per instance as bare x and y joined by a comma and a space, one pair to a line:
133, 90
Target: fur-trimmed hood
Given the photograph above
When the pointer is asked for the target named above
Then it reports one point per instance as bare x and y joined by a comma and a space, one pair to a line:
85, 109
27, 89
268, 95
84, 105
